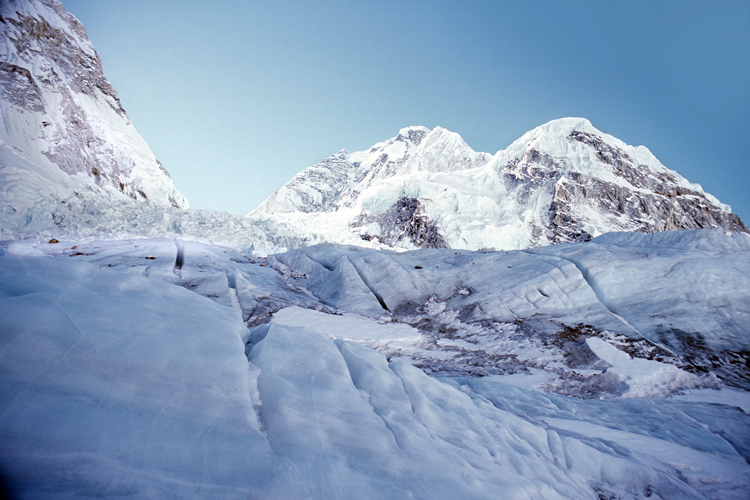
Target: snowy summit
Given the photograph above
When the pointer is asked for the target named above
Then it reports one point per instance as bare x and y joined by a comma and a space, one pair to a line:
563, 181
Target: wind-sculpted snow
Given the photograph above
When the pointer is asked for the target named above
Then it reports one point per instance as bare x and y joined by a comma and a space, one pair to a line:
123, 376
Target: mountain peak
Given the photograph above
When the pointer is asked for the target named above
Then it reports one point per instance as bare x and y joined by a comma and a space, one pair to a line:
411, 132
564, 126
552, 137
562, 181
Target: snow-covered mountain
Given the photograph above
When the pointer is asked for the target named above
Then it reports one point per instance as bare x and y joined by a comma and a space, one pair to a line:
139, 359
72, 165
64, 134
563, 181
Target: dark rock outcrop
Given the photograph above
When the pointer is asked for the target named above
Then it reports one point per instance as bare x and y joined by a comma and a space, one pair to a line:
405, 220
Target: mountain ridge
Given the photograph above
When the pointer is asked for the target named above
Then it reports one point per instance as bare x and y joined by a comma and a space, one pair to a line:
562, 181
61, 115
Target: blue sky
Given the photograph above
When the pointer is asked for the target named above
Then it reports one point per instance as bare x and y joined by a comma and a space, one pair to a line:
235, 97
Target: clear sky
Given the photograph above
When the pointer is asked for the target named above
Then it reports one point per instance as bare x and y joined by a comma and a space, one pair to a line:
235, 97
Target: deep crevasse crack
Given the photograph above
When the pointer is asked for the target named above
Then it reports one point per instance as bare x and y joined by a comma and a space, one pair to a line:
368, 285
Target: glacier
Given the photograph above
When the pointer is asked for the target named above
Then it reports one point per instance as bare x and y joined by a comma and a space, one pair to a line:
563, 319
285, 377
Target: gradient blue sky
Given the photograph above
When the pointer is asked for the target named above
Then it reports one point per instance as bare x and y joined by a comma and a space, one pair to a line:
235, 97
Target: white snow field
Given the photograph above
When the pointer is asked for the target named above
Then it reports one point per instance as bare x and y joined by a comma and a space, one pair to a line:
345, 372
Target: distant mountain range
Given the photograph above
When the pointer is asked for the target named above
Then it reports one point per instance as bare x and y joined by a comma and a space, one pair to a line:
563, 181
71, 163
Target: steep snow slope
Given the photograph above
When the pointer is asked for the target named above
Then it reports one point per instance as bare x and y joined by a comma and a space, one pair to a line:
183, 400
563, 181
64, 132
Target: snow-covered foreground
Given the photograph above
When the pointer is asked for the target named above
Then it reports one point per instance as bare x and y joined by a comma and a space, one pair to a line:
305, 375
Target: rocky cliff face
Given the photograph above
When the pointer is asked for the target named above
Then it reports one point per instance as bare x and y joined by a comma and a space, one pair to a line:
404, 222
564, 181
649, 201
59, 113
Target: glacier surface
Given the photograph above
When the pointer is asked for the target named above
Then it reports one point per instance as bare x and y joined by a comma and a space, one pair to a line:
149, 351
338, 372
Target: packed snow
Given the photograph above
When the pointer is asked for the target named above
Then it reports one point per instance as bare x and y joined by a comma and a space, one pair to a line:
234, 376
